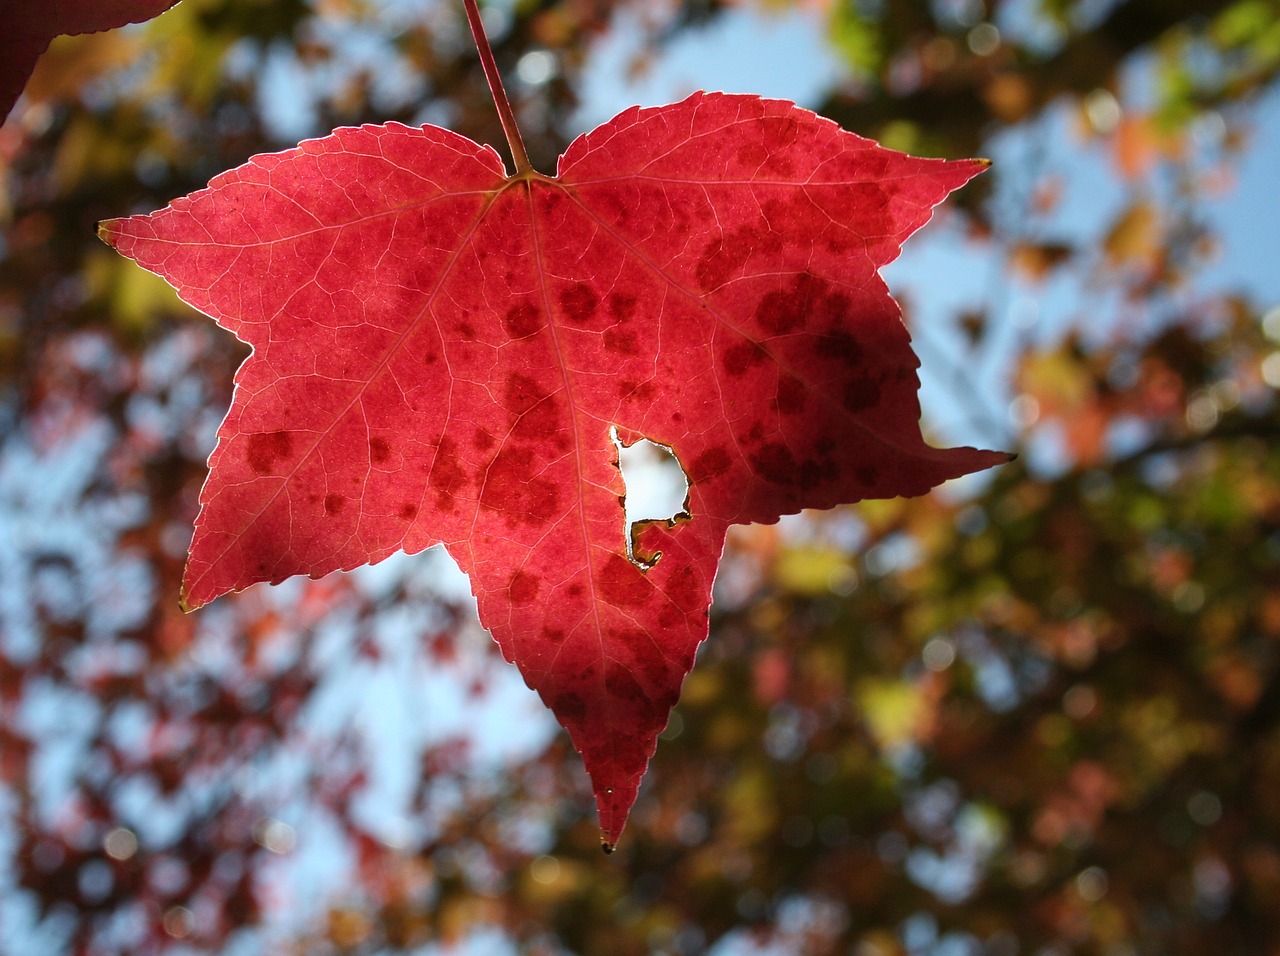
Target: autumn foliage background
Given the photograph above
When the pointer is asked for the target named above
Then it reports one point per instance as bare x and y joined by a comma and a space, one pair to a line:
1039, 713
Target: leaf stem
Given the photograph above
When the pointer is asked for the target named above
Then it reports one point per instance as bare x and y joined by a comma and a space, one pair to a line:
505, 113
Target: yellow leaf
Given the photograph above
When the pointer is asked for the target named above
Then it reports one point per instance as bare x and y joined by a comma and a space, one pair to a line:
892, 709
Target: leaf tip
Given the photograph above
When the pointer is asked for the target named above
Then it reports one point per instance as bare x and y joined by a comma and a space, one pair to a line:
184, 601
607, 847
107, 232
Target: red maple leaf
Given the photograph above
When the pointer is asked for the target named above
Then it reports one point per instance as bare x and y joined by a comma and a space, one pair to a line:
440, 353
29, 26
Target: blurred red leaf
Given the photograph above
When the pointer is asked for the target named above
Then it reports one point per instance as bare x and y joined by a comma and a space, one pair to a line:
29, 28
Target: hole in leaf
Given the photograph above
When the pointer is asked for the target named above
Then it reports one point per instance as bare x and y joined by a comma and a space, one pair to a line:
657, 489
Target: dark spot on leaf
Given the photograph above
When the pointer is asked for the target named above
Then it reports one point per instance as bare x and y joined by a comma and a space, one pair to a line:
743, 356
622, 305
553, 634
447, 473
379, 450
408, 511
774, 462
535, 415
265, 449
617, 209
630, 749
813, 473
334, 504
860, 394
568, 706
511, 488
780, 312
708, 464
574, 590
875, 217
523, 393
833, 306
523, 589
777, 212
841, 344
623, 686
553, 199
808, 302
669, 618
578, 302
621, 342
792, 395
622, 584
647, 661
521, 321
467, 331
838, 244
723, 258
483, 439
868, 474
641, 391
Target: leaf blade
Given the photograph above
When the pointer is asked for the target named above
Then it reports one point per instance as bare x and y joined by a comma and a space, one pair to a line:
441, 354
